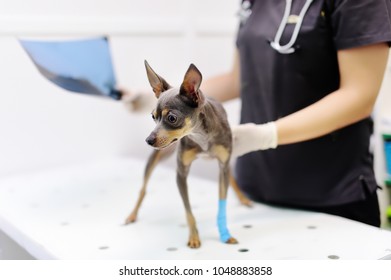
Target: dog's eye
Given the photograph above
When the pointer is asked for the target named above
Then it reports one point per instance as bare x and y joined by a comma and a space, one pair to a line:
172, 118
153, 116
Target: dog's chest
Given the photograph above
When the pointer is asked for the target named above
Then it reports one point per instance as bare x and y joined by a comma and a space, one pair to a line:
202, 141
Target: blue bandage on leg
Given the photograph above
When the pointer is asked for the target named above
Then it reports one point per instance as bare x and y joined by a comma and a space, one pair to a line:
222, 221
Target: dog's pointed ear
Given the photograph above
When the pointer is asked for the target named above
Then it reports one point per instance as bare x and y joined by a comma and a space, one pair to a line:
157, 83
190, 87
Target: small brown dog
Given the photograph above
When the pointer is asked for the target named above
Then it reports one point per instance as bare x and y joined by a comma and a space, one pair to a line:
201, 126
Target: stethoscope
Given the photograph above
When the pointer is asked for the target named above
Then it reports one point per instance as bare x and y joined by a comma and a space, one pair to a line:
288, 48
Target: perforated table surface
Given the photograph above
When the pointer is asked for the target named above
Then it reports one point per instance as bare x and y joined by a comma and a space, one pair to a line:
78, 212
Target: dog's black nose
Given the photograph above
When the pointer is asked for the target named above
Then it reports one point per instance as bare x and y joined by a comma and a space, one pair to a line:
151, 140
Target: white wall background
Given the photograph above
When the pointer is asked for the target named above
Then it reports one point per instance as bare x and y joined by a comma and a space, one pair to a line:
42, 126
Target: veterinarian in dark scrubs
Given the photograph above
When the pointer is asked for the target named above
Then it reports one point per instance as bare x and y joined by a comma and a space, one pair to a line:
308, 74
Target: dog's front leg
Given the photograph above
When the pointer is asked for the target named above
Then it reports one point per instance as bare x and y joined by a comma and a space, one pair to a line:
156, 157
185, 158
222, 155
225, 236
153, 159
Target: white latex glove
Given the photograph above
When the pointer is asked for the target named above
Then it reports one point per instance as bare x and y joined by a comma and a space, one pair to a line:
252, 137
138, 101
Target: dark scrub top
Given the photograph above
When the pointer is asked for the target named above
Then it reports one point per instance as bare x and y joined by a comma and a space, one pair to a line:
331, 170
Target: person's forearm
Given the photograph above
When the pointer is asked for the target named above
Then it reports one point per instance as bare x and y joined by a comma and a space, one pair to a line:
362, 72
335, 111
220, 87
224, 87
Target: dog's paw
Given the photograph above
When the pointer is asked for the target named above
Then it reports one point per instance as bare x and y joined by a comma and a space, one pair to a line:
231, 240
194, 243
246, 202
131, 219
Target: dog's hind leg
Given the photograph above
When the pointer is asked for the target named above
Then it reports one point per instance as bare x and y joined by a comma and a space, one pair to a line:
156, 157
239, 194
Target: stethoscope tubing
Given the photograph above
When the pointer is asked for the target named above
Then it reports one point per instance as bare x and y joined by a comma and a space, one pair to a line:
288, 48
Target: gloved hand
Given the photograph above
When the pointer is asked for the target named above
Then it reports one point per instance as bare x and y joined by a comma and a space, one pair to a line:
138, 101
252, 137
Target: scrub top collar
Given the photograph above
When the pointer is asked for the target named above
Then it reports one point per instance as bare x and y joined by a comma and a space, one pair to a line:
245, 12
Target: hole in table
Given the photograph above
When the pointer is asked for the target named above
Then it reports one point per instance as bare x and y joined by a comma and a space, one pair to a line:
172, 249
311, 227
243, 250
333, 257
103, 247
64, 223
247, 226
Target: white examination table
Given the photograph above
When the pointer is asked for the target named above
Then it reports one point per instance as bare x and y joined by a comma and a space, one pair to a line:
77, 212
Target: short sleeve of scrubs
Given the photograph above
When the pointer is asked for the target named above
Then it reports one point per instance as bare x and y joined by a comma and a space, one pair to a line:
360, 22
